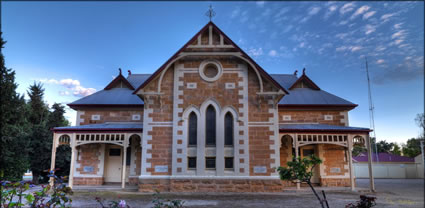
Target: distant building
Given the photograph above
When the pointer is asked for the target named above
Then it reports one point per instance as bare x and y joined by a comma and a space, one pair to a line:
209, 119
388, 166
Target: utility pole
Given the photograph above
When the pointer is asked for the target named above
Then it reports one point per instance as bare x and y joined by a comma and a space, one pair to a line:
422, 152
371, 108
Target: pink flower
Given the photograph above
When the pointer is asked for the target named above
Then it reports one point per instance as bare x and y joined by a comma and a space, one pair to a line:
121, 204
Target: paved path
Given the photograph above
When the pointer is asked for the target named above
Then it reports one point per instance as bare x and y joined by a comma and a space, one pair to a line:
390, 193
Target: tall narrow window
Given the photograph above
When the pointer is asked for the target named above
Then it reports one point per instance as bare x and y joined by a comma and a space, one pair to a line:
210, 126
193, 126
228, 129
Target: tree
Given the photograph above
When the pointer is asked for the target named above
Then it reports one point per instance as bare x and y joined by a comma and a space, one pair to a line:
396, 149
63, 152
420, 121
13, 125
357, 149
412, 148
384, 146
300, 170
40, 141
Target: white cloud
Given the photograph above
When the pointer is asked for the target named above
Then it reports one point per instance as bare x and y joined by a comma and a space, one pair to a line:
81, 91
348, 48
63, 93
369, 29
273, 53
69, 83
235, 12
386, 17
260, 3
281, 12
72, 84
255, 52
380, 61
398, 26
344, 22
359, 11
346, 8
380, 48
355, 48
401, 33
398, 41
368, 14
314, 10
342, 48
301, 45
330, 11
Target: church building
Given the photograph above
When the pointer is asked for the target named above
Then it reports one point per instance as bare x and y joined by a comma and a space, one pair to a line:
210, 119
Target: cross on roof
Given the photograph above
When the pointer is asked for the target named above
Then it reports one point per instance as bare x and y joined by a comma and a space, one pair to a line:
210, 13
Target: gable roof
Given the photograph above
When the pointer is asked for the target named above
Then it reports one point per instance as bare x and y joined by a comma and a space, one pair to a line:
307, 96
226, 38
305, 79
383, 157
117, 80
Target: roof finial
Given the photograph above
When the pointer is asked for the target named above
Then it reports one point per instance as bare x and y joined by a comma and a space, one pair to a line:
304, 71
129, 72
295, 72
210, 13
120, 70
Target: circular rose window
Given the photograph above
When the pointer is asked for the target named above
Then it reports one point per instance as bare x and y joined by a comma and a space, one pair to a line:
210, 70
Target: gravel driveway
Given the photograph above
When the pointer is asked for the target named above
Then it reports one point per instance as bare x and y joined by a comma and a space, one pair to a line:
390, 193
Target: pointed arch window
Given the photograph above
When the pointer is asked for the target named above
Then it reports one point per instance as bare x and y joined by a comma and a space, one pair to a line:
193, 128
228, 129
210, 126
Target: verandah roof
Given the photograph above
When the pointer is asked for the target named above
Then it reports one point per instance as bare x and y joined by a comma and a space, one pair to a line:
104, 127
321, 128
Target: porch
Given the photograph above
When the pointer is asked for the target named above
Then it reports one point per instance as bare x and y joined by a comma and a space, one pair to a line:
102, 155
332, 144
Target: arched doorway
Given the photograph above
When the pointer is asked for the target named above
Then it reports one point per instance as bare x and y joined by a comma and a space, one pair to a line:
63, 156
286, 150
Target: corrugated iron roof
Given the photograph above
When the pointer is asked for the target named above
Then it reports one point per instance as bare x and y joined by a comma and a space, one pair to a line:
307, 96
320, 128
103, 126
115, 96
298, 96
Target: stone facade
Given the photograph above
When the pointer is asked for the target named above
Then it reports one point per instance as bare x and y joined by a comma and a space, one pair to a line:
108, 115
335, 117
212, 185
189, 84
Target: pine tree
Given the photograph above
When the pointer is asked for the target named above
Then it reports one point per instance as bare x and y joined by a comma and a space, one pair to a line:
13, 125
40, 139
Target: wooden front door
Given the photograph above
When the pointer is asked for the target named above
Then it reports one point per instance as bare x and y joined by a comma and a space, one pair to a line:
308, 151
113, 163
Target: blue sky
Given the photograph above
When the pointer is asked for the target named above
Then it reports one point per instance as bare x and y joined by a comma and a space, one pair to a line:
75, 48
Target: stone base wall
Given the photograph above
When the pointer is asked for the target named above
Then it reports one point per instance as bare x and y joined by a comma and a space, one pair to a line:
133, 180
212, 185
88, 181
335, 182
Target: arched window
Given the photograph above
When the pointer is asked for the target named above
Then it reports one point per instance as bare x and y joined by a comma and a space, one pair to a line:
228, 129
193, 126
210, 126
